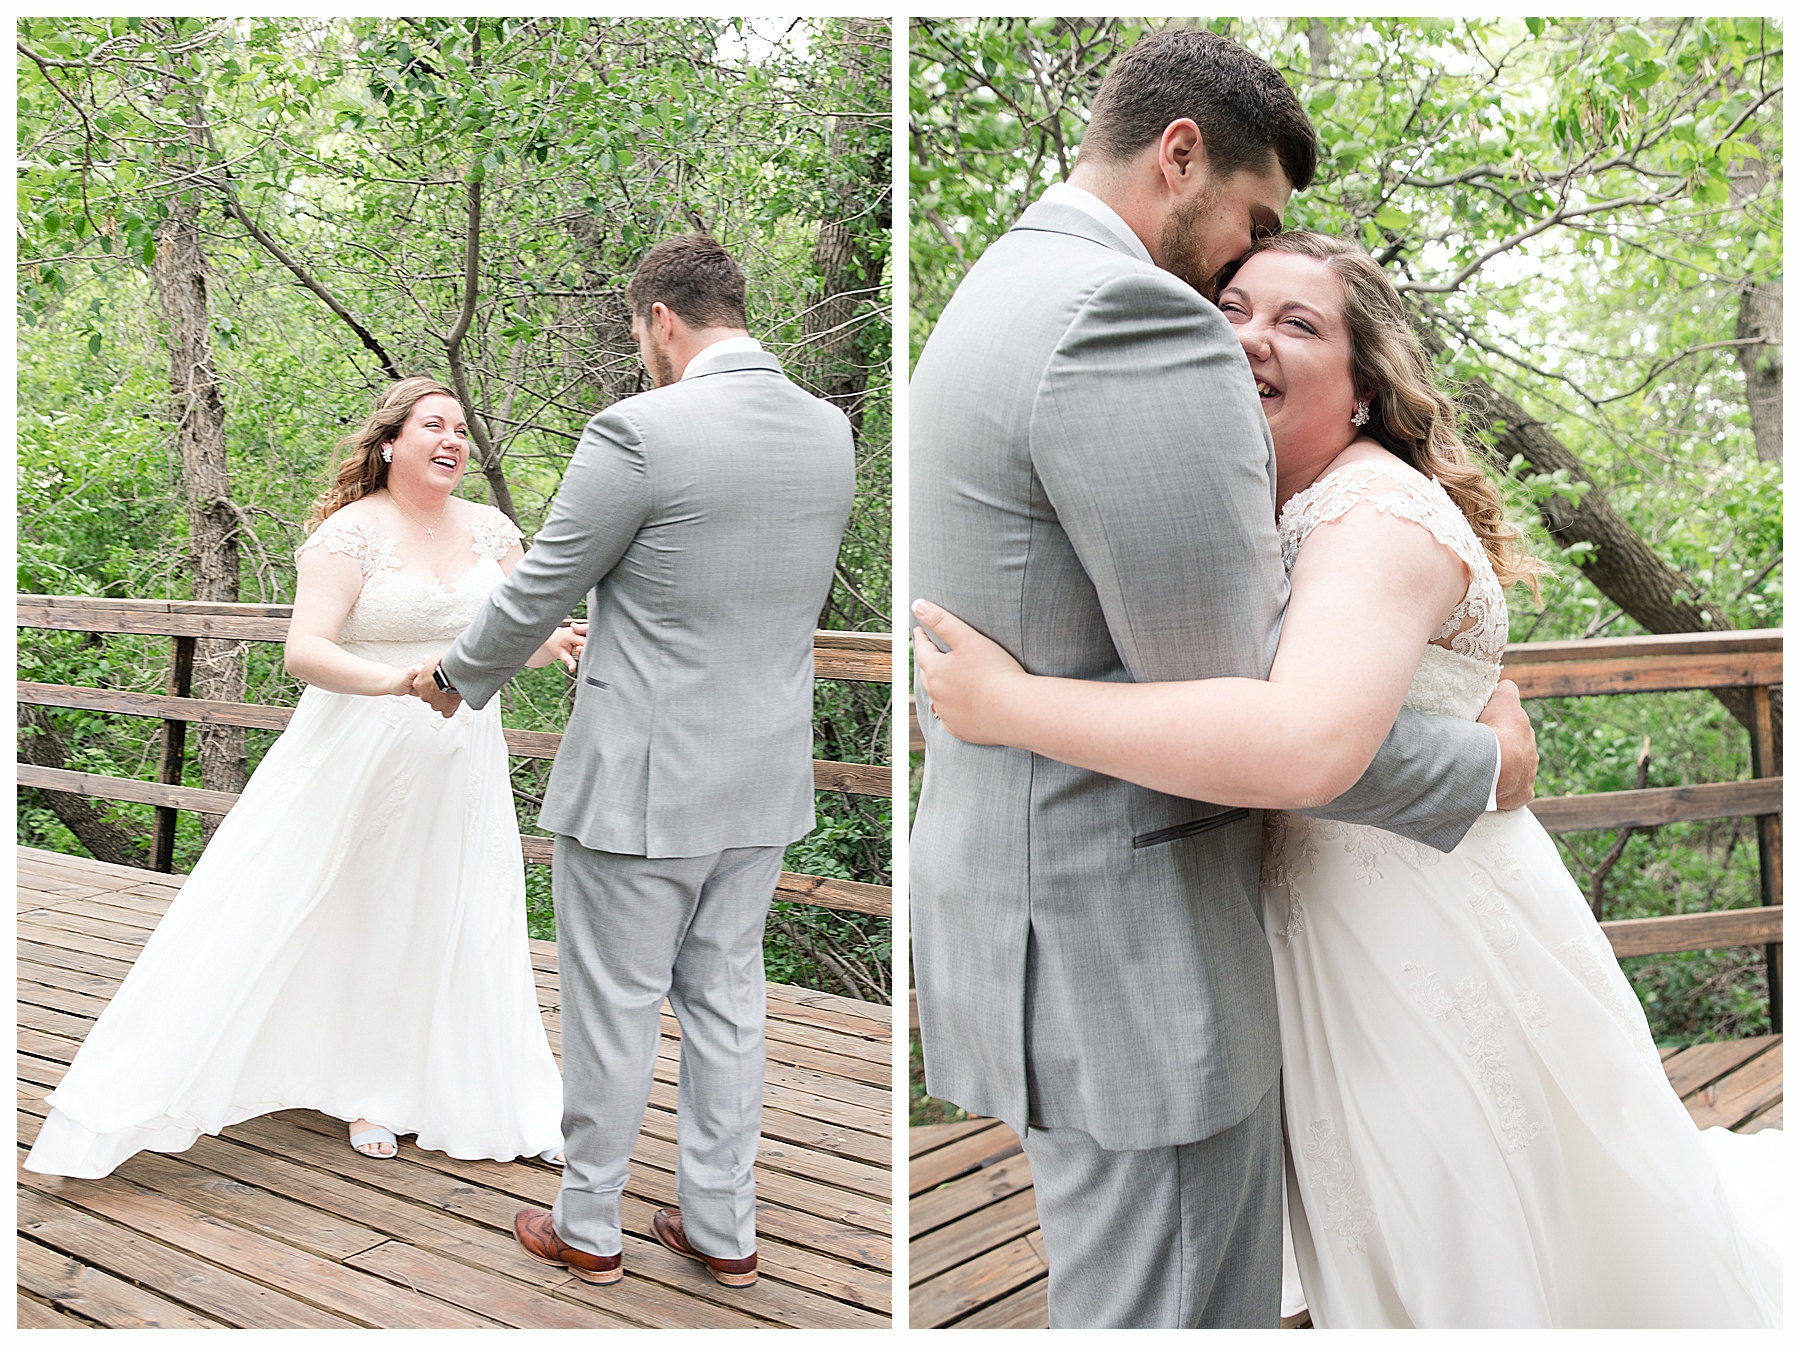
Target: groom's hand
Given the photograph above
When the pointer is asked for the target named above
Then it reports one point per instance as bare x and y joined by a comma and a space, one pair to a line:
444, 703
1518, 746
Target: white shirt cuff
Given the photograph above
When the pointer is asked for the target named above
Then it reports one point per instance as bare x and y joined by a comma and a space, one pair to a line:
1493, 803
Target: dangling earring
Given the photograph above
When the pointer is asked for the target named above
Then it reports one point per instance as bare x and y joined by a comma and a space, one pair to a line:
387, 451
1362, 414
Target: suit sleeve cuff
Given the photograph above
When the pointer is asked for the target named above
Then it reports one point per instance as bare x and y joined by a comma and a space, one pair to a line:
1493, 802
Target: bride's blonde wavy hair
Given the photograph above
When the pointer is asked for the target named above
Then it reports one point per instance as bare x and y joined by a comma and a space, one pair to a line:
1409, 414
359, 470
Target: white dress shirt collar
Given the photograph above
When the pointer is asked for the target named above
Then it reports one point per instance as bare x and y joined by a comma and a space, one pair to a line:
1062, 194
718, 350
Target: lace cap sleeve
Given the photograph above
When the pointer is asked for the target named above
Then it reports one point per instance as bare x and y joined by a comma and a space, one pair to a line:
1477, 626
1391, 487
371, 550
495, 534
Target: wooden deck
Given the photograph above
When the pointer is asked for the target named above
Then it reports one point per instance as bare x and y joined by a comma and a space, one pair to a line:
978, 1258
277, 1223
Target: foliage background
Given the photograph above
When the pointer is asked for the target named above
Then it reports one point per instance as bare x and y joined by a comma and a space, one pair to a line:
1584, 214
357, 148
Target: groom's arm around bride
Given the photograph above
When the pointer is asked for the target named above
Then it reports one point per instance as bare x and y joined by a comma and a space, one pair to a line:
702, 521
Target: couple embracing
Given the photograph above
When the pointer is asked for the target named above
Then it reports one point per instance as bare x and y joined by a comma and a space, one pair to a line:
353, 938
1192, 522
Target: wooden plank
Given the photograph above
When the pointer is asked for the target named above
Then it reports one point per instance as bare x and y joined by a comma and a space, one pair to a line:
859, 655
953, 1161
119, 788
34, 1315
923, 1139
839, 894
191, 710
1769, 1118
55, 862
1755, 641
485, 1192
295, 1273
270, 1214
38, 951
1659, 673
800, 1160
1652, 808
108, 1300
1740, 1095
1700, 1065
480, 1292
394, 1216
188, 1280
984, 1188
1696, 930
966, 1239
537, 1186
1026, 1308
813, 889
118, 941
961, 1290
150, 617
854, 778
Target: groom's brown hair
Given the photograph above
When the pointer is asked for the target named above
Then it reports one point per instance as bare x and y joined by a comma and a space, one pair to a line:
695, 277
1243, 107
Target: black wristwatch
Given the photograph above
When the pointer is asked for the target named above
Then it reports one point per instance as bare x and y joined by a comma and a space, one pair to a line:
442, 683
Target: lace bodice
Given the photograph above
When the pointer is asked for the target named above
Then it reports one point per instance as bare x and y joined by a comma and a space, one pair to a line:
1458, 670
399, 618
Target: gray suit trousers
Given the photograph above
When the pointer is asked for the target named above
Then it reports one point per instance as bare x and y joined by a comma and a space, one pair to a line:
630, 931
1178, 1236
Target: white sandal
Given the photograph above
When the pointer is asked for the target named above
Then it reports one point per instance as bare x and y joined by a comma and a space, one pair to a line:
374, 1134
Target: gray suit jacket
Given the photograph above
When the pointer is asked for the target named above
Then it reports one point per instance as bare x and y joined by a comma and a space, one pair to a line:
1093, 487
702, 521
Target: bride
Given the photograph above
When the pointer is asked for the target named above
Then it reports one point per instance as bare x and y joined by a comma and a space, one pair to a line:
353, 938
1479, 1131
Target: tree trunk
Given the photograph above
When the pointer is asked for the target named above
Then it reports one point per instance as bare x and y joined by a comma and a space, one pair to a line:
180, 275
40, 746
841, 257
1759, 315
1622, 565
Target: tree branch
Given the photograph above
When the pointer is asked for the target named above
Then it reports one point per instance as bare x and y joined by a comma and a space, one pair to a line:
236, 209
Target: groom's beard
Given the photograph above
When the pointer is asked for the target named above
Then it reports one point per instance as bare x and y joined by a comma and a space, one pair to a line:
1181, 255
657, 361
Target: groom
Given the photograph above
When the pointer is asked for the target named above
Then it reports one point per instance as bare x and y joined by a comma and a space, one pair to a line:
1093, 487
701, 520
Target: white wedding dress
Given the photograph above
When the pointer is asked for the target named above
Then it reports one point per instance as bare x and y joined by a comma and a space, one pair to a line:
1479, 1131
353, 938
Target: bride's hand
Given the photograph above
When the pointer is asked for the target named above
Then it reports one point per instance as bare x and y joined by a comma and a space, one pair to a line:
405, 681
969, 684
566, 643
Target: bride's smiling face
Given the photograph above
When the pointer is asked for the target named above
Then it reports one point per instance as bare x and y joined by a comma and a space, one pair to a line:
1288, 312
431, 450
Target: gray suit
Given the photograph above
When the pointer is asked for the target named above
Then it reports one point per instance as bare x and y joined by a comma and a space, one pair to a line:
1093, 487
702, 521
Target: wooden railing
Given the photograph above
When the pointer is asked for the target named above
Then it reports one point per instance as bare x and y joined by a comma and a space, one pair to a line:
1612, 667
851, 655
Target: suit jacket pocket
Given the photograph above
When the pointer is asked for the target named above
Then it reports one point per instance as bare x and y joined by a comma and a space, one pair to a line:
595, 682
1192, 828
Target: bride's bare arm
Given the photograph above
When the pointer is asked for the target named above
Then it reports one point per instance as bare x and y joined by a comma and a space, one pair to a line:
1368, 592
327, 586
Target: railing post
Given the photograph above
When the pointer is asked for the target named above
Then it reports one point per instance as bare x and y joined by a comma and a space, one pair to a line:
174, 742
1765, 761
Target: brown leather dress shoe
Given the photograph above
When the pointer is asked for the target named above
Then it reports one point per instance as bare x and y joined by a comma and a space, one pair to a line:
536, 1232
736, 1272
